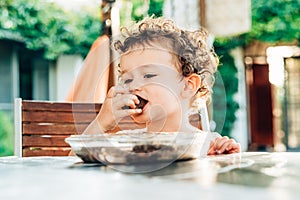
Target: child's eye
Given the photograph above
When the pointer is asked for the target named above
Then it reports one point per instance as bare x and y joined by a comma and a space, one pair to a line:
149, 75
127, 81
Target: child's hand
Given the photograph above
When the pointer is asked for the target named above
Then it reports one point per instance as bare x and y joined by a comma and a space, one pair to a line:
117, 105
224, 145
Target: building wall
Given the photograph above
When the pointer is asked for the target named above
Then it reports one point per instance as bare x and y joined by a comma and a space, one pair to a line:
45, 80
5, 73
40, 85
67, 68
8, 71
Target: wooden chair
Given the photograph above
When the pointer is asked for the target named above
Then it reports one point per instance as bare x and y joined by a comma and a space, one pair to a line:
42, 126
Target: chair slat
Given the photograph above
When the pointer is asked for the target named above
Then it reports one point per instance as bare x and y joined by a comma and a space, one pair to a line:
32, 151
56, 117
44, 141
53, 129
60, 106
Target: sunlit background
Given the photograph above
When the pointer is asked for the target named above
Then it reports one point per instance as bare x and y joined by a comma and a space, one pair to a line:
256, 99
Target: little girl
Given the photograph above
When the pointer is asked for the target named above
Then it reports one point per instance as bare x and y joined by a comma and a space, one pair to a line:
163, 69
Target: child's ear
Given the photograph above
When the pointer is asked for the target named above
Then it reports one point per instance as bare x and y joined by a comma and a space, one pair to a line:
192, 85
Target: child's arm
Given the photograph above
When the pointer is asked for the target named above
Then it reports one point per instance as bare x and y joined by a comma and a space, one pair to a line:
223, 145
112, 111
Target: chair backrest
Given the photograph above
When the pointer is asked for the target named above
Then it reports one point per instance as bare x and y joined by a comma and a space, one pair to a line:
42, 126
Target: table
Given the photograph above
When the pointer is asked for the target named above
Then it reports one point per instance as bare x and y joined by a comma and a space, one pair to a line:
238, 176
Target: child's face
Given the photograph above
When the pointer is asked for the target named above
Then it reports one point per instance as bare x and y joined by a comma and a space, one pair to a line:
151, 74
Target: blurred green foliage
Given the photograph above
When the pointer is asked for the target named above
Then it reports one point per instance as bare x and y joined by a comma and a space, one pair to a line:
275, 21
43, 25
155, 8
6, 134
138, 9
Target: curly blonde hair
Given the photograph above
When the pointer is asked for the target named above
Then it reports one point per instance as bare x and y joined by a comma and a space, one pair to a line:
189, 48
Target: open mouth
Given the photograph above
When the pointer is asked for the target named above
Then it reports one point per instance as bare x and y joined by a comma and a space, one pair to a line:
142, 103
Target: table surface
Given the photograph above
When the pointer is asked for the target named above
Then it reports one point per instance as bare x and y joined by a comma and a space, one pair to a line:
238, 176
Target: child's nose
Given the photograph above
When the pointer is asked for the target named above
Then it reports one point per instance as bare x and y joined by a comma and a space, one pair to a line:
135, 85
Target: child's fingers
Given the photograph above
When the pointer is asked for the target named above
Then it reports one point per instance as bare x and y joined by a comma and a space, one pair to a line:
211, 150
227, 145
124, 101
224, 145
235, 148
219, 142
112, 92
135, 99
121, 99
128, 101
230, 147
128, 112
115, 90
